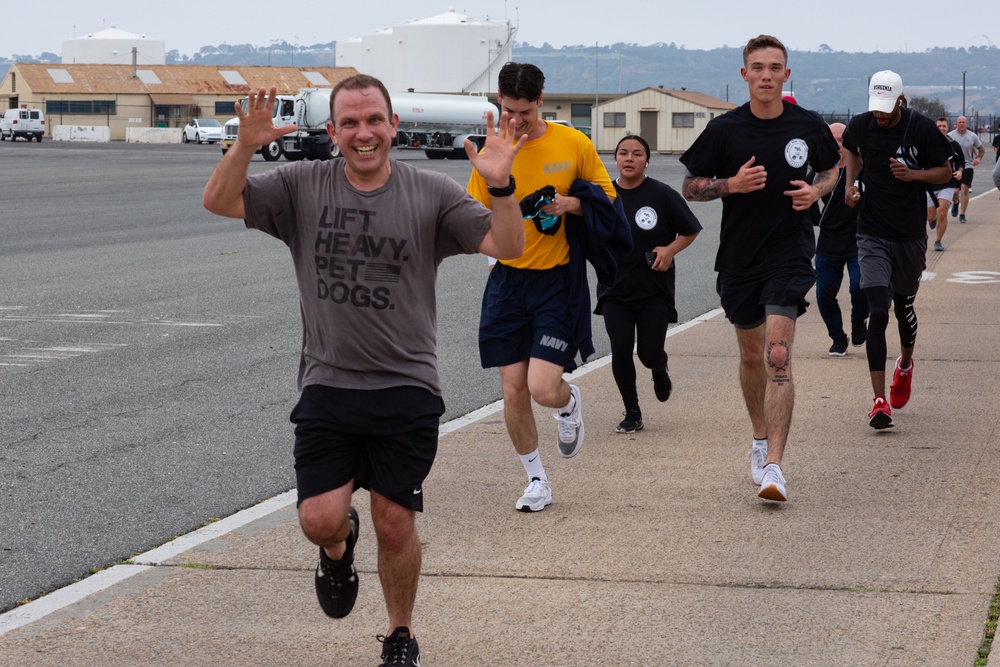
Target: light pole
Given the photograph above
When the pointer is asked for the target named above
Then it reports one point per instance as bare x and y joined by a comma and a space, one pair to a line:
963, 92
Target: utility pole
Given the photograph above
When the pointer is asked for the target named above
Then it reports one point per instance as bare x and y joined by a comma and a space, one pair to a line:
963, 92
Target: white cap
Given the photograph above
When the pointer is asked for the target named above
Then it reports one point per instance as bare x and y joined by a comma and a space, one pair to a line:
884, 89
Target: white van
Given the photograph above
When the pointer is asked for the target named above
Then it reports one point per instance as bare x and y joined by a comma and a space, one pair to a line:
27, 123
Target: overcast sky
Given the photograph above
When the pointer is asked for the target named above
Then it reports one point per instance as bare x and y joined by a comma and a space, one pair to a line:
187, 26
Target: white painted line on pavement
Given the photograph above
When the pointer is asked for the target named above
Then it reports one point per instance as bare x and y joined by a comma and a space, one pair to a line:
64, 597
215, 529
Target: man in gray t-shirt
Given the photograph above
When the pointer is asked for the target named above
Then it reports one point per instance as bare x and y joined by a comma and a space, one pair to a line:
974, 151
366, 235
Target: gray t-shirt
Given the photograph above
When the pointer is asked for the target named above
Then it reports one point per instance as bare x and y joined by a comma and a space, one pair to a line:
366, 265
969, 142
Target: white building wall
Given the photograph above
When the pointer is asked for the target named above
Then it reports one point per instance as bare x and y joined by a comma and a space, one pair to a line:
450, 53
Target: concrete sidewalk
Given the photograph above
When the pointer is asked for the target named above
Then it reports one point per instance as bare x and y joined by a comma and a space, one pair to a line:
656, 550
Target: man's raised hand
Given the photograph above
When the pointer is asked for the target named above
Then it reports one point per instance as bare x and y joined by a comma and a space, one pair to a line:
495, 161
256, 124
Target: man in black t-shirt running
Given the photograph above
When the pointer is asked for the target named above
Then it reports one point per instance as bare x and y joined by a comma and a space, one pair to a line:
901, 152
755, 158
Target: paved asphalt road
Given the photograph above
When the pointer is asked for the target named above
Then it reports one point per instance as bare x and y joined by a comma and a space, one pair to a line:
148, 352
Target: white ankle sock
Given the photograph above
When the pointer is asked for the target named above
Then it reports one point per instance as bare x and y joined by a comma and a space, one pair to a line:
533, 466
568, 408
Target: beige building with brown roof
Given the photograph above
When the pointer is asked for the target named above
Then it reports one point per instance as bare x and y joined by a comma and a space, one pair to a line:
669, 120
124, 96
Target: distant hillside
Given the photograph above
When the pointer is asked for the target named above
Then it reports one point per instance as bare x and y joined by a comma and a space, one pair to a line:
826, 81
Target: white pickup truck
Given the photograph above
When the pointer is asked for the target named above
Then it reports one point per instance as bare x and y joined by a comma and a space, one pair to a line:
284, 114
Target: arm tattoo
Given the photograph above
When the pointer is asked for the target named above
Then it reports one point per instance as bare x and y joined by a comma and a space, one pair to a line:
826, 180
703, 188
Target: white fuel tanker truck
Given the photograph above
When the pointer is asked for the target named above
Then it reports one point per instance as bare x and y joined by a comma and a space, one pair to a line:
437, 124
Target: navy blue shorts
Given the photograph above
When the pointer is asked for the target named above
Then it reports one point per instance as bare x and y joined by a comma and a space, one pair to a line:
525, 315
748, 300
384, 440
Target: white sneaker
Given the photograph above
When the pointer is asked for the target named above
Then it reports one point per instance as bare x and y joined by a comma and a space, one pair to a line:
536, 496
570, 429
758, 454
772, 486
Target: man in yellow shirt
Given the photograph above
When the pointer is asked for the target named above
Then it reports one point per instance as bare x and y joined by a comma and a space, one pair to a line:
526, 326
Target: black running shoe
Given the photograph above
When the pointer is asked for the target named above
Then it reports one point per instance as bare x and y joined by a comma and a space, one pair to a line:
859, 332
399, 648
631, 423
337, 580
662, 385
839, 347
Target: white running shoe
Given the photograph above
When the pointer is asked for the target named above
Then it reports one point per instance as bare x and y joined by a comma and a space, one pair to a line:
536, 496
758, 454
772, 486
570, 429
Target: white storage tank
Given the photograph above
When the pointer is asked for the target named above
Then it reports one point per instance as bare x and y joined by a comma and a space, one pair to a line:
113, 47
448, 53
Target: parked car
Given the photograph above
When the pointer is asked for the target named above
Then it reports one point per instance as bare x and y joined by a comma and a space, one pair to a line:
202, 130
583, 128
27, 123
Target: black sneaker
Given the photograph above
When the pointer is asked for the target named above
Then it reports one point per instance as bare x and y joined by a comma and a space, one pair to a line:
399, 648
662, 386
631, 423
859, 332
337, 580
839, 347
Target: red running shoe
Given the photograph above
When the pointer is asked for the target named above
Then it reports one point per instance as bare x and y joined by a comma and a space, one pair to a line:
899, 391
881, 416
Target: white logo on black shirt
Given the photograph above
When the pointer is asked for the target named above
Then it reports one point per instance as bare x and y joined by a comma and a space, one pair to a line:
645, 218
796, 153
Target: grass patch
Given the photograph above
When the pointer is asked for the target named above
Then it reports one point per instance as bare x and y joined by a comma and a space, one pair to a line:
989, 629
197, 566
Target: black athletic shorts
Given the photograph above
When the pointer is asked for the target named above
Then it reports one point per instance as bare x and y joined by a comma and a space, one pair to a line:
967, 176
748, 300
898, 265
384, 440
525, 314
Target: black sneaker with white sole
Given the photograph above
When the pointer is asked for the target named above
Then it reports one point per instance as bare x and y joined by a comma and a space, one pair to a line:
631, 423
337, 580
399, 648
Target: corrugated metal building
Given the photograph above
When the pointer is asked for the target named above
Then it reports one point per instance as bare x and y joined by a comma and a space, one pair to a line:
669, 120
123, 96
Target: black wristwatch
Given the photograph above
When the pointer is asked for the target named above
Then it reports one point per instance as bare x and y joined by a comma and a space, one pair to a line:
503, 192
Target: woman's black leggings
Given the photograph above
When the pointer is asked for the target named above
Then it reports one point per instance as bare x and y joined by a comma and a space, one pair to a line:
623, 325
906, 320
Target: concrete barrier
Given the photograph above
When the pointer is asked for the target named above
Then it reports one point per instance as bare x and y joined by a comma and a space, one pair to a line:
91, 133
153, 135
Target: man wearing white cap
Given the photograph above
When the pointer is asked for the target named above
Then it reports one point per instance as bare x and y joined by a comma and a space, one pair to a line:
901, 151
